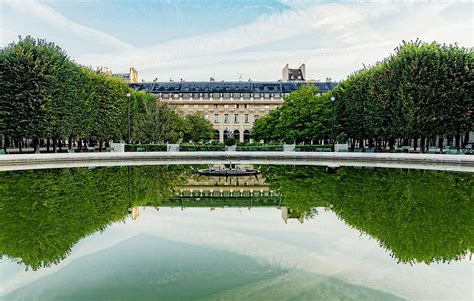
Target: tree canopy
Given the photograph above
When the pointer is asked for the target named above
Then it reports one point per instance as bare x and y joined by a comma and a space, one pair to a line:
304, 116
44, 94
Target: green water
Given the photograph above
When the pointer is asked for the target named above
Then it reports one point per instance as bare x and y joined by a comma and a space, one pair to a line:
359, 234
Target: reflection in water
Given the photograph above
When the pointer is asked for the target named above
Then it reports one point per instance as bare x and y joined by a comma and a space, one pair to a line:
44, 213
418, 216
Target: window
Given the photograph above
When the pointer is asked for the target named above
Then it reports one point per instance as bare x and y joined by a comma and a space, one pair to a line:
267, 95
267, 107
246, 106
236, 95
186, 95
255, 117
196, 106
246, 95
165, 95
226, 106
206, 117
226, 118
216, 118
256, 95
205, 95
215, 106
196, 95
246, 118
237, 106
276, 95
206, 106
216, 95
226, 95
236, 118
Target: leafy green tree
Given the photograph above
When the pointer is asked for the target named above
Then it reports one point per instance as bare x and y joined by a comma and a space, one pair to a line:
304, 116
264, 127
31, 75
197, 129
156, 122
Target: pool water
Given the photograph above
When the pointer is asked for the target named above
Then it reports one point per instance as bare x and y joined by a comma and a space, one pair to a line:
292, 233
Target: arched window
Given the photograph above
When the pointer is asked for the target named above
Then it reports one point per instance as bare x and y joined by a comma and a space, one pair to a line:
237, 135
216, 135
246, 136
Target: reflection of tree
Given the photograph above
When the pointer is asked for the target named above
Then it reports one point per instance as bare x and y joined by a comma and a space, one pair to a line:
44, 213
419, 216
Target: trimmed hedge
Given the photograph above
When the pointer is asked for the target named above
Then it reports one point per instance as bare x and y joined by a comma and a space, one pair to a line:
203, 148
260, 148
145, 147
312, 148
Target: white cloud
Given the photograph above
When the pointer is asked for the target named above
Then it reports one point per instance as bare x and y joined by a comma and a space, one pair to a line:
40, 11
333, 39
359, 33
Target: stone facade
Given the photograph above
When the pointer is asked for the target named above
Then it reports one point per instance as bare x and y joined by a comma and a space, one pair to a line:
233, 116
231, 107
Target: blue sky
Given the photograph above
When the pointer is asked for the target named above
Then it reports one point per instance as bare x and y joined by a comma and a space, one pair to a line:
225, 39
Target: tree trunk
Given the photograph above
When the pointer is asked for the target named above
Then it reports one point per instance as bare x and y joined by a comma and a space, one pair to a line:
48, 144
100, 145
422, 144
466, 139
36, 145
69, 143
79, 145
440, 144
5, 143
371, 143
391, 143
55, 142
415, 143
60, 143
458, 139
20, 147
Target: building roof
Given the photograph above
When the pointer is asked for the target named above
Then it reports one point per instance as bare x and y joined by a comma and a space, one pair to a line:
242, 87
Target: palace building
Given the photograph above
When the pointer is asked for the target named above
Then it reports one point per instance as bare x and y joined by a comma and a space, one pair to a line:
232, 107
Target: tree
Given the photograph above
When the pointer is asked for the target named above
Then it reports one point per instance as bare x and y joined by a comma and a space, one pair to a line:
197, 129
304, 116
156, 122
31, 82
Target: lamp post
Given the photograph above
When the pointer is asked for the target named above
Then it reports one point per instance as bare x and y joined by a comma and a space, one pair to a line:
129, 135
333, 100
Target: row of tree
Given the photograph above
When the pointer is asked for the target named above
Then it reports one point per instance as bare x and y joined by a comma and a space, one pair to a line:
423, 91
45, 96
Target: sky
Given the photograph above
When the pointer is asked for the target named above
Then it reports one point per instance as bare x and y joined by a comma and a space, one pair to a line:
234, 39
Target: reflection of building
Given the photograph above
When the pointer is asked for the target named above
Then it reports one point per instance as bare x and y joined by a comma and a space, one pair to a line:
221, 187
287, 213
232, 107
135, 212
